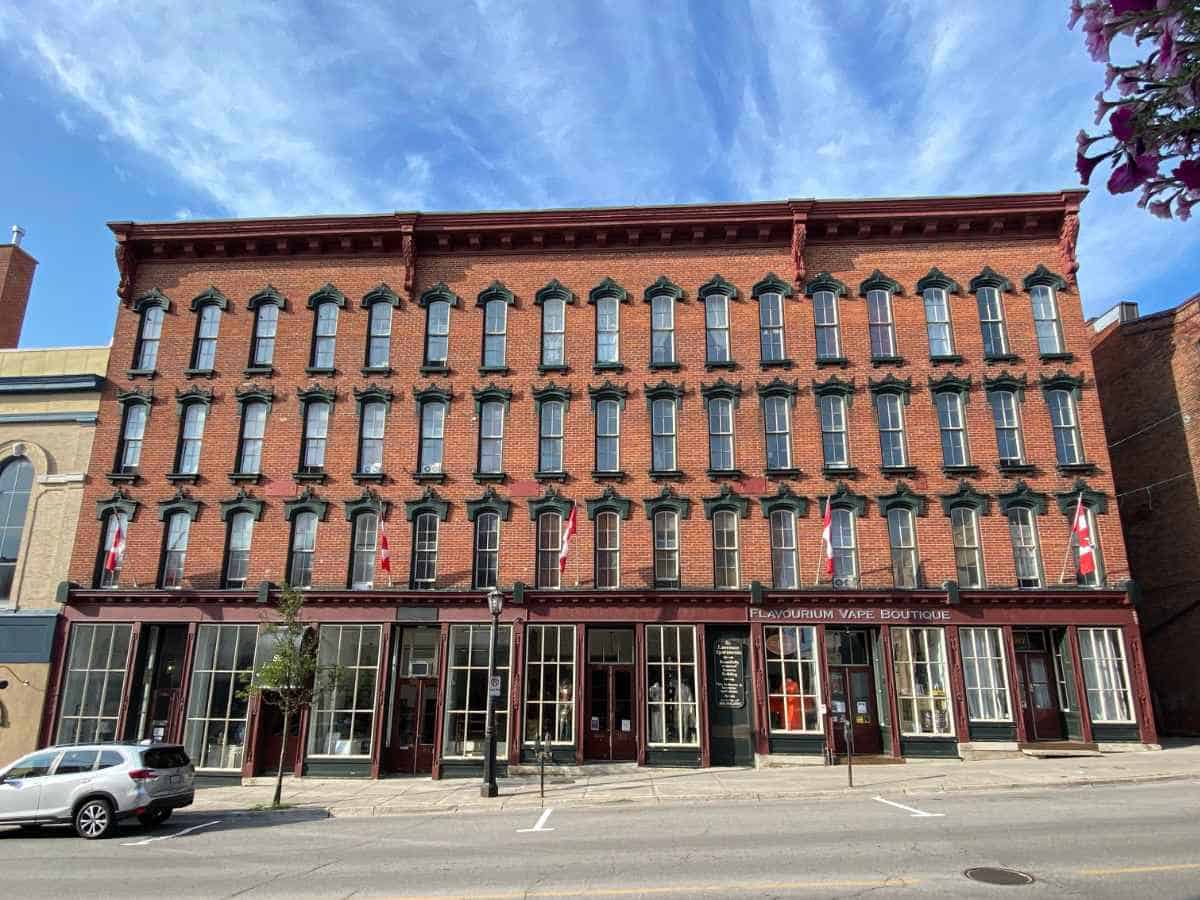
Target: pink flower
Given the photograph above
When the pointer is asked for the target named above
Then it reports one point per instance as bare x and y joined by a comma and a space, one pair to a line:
1076, 12
1133, 173
1161, 208
1103, 107
1083, 140
1183, 208
1122, 124
1126, 84
1085, 164
1124, 7
1168, 59
1188, 172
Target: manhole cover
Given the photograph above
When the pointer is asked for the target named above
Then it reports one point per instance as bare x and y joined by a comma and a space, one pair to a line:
997, 875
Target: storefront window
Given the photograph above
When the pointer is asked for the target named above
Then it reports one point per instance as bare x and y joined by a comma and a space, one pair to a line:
671, 704
343, 713
466, 695
550, 683
1102, 652
986, 674
792, 681
95, 679
922, 692
215, 733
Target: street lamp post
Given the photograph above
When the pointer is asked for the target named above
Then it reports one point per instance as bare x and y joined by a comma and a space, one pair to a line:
495, 601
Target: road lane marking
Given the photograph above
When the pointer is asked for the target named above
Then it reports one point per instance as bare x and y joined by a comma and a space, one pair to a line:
167, 837
916, 813
749, 888
540, 826
1136, 870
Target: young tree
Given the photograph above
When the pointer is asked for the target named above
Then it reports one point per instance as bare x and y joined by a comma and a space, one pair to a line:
292, 676
1153, 137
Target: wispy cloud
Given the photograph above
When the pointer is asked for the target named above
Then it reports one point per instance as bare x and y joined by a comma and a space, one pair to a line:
258, 109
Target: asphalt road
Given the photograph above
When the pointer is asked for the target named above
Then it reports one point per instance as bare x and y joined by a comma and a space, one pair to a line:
1120, 841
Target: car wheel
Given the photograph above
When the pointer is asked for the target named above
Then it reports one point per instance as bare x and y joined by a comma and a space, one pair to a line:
154, 817
94, 819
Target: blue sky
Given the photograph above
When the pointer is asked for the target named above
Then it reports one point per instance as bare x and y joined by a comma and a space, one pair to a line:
160, 111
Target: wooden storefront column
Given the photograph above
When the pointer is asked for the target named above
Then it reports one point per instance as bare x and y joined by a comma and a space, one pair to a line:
889, 673
1085, 714
443, 689
702, 694
958, 685
383, 685
253, 735
516, 681
135, 638
762, 720
185, 685
54, 687
639, 679
580, 688
826, 702
1140, 686
1014, 703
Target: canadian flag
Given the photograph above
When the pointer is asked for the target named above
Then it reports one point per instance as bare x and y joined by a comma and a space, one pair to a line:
568, 533
1083, 538
827, 537
116, 549
385, 552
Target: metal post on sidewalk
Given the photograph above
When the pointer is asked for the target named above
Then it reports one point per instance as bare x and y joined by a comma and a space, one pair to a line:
848, 737
495, 602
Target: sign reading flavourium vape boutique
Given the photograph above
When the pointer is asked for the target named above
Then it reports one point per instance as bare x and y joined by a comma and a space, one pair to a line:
853, 615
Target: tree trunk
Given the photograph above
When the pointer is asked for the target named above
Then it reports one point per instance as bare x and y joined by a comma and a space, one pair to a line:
282, 753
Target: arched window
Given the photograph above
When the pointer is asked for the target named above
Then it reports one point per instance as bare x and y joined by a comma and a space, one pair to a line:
487, 549
191, 437
16, 478
1068, 447
324, 335
133, 429
316, 430
608, 331
1046, 322
608, 550
495, 333
880, 324
491, 438
834, 444
379, 335
262, 342
841, 536
968, 555
1007, 418
437, 333
937, 322
175, 546
1027, 554
902, 535
433, 423
149, 333
237, 556
304, 545
666, 549
425, 550
370, 438
725, 549
608, 435
784, 569
720, 433
112, 549
770, 326
662, 330
250, 442
204, 354
662, 420
554, 327
825, 317
550, 452
362, 560
549, 542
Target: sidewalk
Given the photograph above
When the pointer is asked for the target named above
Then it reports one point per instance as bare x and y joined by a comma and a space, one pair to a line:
409, 796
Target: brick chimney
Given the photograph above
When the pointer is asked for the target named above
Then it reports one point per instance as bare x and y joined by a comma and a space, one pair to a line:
16, 278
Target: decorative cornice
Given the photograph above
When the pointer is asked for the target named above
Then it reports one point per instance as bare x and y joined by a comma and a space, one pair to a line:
326, 293
493, 393
367, 501
554, 290
495, 291
244, 501
608, 391
877, 281
664, 390
1022, 495
833, 385
777, 387
440, 291
267, 295
1006, 381
966, 495
1042, 275
1094, 500
903, 497
721, 388
663, 287
430, 501
728, 499
316, 392
950, 384
194, 394
551, 501
1062, 381
179, 502
152, 297
608, 288
890, 384
936, 278
119, 502
667, 499
134, 395
431, 392
824, 282
844, 498
609, 501
552, 391
374, 393
783, 499
771, 284
307, 501
210, 296
717, 285
254, 392
489, 502
989, 278
381, 293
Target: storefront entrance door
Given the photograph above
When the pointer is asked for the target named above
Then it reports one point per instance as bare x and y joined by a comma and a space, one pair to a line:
1039, 692
609, 723
730, 700
852, 690
271, 743
414, 718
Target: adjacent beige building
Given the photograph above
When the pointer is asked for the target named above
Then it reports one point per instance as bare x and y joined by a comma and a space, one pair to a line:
48, 404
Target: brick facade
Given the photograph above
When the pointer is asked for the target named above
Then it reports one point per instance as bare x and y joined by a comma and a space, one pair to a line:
16, 280
1146, 372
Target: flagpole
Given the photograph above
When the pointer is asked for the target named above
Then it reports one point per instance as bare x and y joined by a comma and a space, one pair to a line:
821, 560
1062, 578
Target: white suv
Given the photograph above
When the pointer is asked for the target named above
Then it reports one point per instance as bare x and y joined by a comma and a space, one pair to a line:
93, 786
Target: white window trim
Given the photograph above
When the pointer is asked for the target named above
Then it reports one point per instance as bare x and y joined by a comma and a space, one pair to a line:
501, 707
816, 668
1092, 716
573, 703
379, 676
695, 666
907, 633
1004, 684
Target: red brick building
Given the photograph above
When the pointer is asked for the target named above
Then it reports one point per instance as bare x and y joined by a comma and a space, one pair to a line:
698, 383
1147, 376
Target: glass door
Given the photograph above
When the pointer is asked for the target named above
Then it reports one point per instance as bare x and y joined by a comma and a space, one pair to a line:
1039, 688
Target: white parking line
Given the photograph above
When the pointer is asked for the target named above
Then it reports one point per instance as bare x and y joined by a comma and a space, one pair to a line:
167, 837
540, 826
916, 813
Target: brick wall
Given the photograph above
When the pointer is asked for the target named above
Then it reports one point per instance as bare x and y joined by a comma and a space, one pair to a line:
16, 279
1146, 373
467, 273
